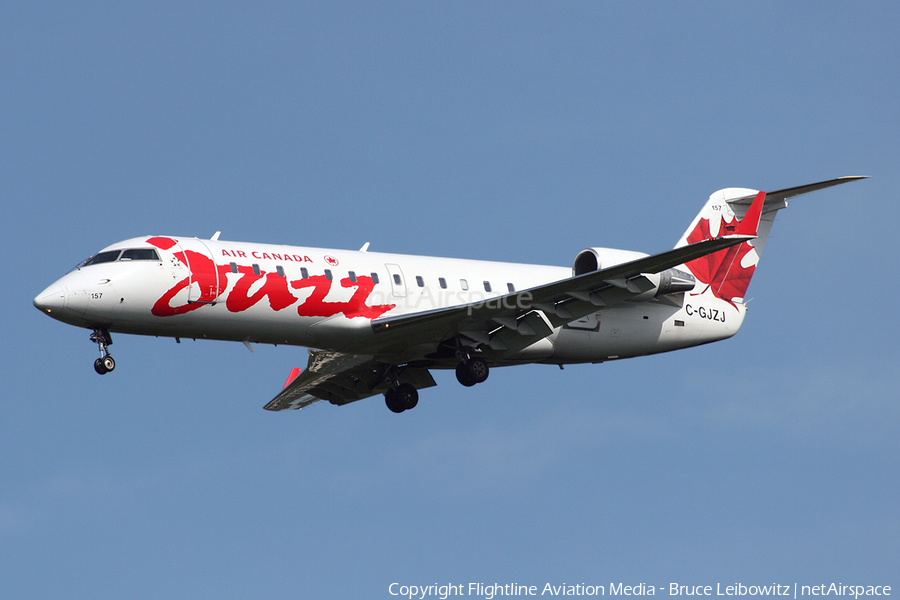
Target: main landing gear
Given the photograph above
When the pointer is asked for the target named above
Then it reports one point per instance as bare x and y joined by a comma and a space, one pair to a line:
403, 397
472, 371
105, 363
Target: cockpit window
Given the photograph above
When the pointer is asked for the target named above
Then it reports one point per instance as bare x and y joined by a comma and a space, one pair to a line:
139, 254
103, 257
114, 255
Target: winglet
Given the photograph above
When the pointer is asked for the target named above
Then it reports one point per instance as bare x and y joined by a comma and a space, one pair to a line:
750, 223
295, 372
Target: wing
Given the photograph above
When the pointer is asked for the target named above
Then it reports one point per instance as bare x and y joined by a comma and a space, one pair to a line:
506, 323
514, 321
341, 379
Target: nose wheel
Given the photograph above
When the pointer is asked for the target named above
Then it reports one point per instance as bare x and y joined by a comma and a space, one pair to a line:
105, 363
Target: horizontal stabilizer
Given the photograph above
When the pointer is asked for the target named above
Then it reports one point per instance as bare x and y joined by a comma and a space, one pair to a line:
780, 195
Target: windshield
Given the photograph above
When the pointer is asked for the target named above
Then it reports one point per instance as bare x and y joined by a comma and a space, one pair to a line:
139, 254
120, 255
103, 257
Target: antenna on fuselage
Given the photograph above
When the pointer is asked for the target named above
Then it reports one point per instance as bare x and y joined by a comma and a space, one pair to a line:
365, 247
216, 236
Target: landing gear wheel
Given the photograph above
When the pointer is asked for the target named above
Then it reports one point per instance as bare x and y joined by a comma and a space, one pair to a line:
462, 374
392, 400
403, 397
477, 369
408, 395
105, 363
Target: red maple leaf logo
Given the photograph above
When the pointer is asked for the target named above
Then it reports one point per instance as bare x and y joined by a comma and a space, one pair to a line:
721, 271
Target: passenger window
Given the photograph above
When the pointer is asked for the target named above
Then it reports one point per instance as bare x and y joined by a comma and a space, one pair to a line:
397, 279
352, 275
139, 254
487, 286
103, 257
464, 284
280, 270
375, 278
256, 269
304, 272
328, 274
233, 267
511, 288
443, 283
419, 281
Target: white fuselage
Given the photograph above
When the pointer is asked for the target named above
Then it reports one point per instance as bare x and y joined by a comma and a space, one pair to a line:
323, 298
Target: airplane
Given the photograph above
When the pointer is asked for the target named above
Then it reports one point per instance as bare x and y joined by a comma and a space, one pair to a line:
378, 323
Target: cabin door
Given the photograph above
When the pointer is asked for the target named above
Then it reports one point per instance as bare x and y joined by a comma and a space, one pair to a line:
204, 286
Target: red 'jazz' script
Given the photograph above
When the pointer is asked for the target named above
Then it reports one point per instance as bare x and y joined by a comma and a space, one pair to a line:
211, 282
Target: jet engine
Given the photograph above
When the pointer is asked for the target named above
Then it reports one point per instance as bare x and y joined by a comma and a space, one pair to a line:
645, 286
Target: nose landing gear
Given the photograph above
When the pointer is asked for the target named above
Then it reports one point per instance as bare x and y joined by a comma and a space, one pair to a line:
105, 363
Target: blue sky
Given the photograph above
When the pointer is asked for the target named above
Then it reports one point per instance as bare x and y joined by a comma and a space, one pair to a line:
506, 131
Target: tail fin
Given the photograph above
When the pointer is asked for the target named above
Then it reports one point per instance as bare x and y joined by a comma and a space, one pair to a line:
727, 273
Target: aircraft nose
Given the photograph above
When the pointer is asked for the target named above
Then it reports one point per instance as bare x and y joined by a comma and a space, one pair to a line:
51, 300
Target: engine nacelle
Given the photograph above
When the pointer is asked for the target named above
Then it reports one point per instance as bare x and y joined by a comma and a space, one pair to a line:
594, 259
647, 285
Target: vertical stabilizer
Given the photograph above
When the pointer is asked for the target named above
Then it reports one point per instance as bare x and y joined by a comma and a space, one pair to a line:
727, 273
